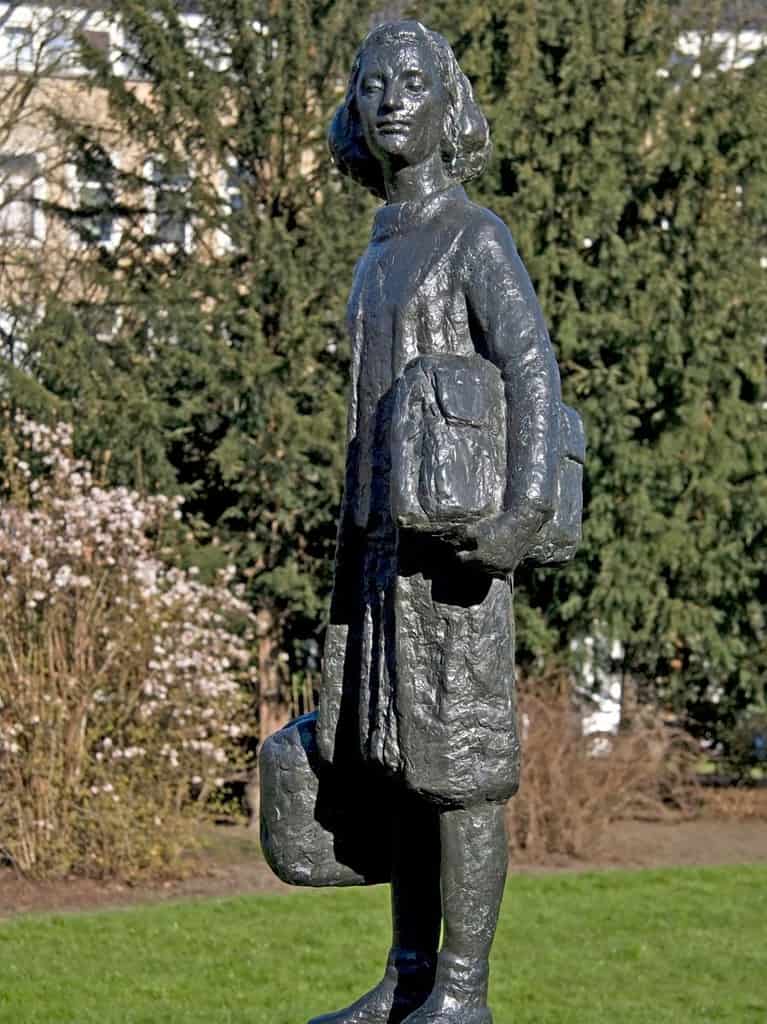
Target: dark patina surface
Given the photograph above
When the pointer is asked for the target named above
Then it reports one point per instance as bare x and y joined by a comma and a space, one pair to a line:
461, 462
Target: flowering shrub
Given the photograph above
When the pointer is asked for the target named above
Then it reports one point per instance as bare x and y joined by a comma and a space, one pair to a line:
121, 677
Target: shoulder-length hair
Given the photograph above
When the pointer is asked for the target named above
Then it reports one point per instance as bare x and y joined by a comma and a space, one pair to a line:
465, 135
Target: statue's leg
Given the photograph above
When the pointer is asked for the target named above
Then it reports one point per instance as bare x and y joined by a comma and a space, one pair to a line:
473, 868
416, 921
416, 868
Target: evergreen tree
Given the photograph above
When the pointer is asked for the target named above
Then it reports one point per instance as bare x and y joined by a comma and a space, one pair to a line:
634, 183
205, 353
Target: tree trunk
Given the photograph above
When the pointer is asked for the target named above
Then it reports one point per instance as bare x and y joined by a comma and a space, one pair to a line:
273, 711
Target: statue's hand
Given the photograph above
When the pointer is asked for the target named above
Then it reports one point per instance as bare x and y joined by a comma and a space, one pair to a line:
498, 544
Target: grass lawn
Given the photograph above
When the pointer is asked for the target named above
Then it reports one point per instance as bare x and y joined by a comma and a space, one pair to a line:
656, 947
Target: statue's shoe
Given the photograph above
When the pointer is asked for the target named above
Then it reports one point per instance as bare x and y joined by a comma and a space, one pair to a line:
378, 1006
459, 995
450, 1015
405, 985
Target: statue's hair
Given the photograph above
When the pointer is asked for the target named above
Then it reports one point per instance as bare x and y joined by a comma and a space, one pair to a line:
465, 135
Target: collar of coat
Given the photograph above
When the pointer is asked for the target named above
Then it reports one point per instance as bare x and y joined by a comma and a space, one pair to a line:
400, 218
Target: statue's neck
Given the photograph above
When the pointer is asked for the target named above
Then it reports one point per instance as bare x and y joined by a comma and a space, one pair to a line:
414, 182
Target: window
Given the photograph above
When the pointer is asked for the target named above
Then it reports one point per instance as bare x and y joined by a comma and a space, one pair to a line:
92, 184
96, 199
237, 192
7, 331
17, 321
58, 46
98, 40
46, 41
21, 190
61, 45
17, 43
235, 200
170, 223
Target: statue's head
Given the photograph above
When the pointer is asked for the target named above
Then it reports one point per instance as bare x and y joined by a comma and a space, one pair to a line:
407, 98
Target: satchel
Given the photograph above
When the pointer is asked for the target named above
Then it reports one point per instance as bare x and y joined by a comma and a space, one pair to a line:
448, 443
321, 825
558, 539
449, 456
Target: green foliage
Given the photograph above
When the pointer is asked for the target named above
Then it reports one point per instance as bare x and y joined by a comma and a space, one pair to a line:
635, 189
218, 368
649, 947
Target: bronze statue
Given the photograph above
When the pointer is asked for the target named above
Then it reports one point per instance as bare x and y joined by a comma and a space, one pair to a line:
462, 461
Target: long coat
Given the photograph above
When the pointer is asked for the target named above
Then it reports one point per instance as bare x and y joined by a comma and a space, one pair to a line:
418, 673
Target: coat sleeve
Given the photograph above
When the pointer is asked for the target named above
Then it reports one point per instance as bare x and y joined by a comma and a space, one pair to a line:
508, 328
344, 599
346, 583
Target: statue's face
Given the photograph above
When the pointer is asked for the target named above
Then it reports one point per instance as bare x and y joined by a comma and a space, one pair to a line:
401, 101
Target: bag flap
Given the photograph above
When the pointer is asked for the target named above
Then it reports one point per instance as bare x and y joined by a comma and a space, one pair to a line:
573, 435
468, 390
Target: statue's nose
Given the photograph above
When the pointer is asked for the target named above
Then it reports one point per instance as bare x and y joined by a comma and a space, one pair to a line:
391, 99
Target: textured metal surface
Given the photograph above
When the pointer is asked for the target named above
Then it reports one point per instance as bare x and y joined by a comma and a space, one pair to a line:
319, 826
558, 539
448, 443
461, 462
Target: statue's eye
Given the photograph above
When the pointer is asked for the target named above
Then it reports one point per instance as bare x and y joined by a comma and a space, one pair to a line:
415, 83
371, 85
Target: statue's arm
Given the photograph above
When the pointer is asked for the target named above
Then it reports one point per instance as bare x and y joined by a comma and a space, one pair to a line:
508, 328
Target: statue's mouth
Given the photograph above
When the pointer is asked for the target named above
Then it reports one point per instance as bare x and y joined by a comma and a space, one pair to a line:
391, 127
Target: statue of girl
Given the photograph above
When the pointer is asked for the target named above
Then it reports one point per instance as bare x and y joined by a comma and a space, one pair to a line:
418, 680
